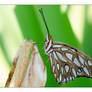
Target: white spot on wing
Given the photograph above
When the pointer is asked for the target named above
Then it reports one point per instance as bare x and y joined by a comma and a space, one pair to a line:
81, 59
64, 80
62, 70
85, 70
58, 66
61, 57
68, 55
89, 63
55, 56
53, 68
56, 46
60, 78
76, 62
74, 72
70, 78
79, 72
73, 50
64, 49
66, 68
55, 75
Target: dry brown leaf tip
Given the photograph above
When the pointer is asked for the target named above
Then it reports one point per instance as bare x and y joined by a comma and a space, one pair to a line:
28, 71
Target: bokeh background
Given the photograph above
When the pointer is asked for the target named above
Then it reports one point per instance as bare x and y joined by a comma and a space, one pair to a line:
71, 24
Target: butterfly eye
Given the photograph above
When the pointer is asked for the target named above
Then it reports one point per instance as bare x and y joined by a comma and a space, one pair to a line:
89, 63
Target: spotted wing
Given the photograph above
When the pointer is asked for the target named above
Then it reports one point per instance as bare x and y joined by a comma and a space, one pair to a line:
68, 63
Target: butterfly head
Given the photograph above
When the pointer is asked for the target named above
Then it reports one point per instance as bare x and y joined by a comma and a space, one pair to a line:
49, 41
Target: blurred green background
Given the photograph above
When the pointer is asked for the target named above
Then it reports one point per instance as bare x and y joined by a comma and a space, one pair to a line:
71, 24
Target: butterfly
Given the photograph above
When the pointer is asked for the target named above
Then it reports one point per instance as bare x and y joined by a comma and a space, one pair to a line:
67, 62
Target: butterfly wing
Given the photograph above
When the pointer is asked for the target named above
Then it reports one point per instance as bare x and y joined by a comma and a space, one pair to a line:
68, 63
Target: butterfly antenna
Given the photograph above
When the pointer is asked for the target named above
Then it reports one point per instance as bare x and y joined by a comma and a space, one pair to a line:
42, 14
